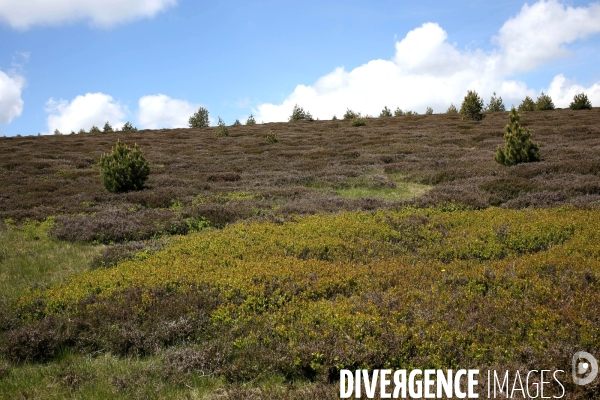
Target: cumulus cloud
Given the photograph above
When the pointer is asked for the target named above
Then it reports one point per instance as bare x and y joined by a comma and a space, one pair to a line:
11, 103
161, 111
84, 112
23, 14
429, 71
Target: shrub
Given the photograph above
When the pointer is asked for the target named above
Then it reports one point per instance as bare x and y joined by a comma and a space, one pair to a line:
107, 128
429, 111
386, 112
472, 106
199, 119
57, 132
221, 129
410, 112
272, 138
496, 104
251, 120
527, 104
518, 146
452, 109
351, 114
398, 112
128, 127
334, 118
581, 102
82, 131
124, 169
358, 121
298, 114
94, 129
544, 102
237, 122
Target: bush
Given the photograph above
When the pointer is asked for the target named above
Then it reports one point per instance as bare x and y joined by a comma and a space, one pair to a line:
82, 131
398, 112
221, 129
199, 119
351, 114
237, 122
429, 111
334, 118
57, 132
410, 112
128, 127
251, 120
124, 169
94, 129
544, 102
386, 112
272, 138
496, 104
527, 104
298, 114
107, 128
358, 122
472, 106
452, 109
581, 102
518, 146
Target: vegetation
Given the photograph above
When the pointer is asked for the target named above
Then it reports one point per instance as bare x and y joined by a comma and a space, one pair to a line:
544, 102
107, 128
349, 114
398, 112
251, 120
452, 109
359, 121
518, 146
386, 112
237, 123
94, 129
298, 114
128, 127
429, 111
199, 119
472, 107
496, 104
580, 102
221, 130
527, 104
57, 132
124, 170
272, 137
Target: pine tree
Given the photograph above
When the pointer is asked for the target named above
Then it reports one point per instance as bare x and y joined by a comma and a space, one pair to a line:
199, 119
472, 106
107, 128
124, 169
386, 112
429, 111
518, 147
398, 112
129, 127
251, 120
452, 109
544, 102
496, 104
237, 122
298, 114
527, 104
221, 129
580, 102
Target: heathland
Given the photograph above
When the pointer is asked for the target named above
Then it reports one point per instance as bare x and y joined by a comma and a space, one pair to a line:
257, 268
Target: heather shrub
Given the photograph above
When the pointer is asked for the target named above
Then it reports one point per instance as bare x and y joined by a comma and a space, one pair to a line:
472, 106
298, 114
495, 104
518, 146
128, 127
429, 111
251, 120
527, 104
272, 138
94, 129
349, 114
398, 112
222, 130
124, 169
452, 109
544, 102
580, 102
199, 119
386, 112
107, 128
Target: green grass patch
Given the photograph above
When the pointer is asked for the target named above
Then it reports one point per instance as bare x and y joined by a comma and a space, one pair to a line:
384, 186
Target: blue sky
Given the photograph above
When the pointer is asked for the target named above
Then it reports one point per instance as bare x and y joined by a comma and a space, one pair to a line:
70, 64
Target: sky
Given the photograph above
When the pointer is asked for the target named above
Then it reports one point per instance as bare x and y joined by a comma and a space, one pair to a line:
72, 64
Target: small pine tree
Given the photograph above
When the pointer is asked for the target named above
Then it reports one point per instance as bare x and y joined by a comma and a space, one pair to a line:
107, 128
452, 109
429, 111
518, 147
358, 121
82, 131
544, 102
386, 112
124, 169
237, 122
334, 118
472, 106
496, 104
199, 119
94, 129
527, 104
272, 137
349, 114
128, 127
221, 129
57, 132
581, 102
298, 114
251, 120
410, 112
398, 112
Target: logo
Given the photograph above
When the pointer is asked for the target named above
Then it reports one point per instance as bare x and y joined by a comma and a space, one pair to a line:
584, 363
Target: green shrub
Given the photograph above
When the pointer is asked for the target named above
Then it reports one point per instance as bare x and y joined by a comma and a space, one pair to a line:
472, 106
544, 102
351, 114
123, 170
398, 112
527, 104
272, 137
221, 129
94, 129
358, 121
107, 128
496, 104
128, 127
410, 112
581, 102
82, 131
386, 112
237, 122
334, 118
452, 109
199, 119
518, 146
429, 111
251, 120
298, 114
57, 132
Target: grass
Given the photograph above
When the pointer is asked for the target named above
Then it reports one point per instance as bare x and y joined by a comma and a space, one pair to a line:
375, 183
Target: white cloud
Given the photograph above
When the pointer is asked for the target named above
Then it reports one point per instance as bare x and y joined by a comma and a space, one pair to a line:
11, 103
161, 111
83, 112
428, 71
562, 91
23, 14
